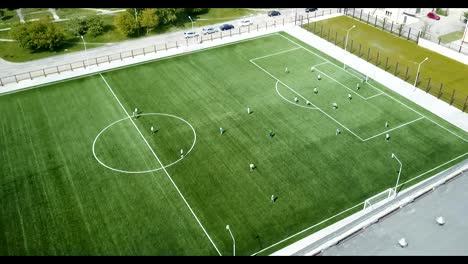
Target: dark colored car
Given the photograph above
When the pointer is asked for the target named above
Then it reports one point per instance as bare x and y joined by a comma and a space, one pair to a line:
432, 15
274, 13
226, 27
310, 10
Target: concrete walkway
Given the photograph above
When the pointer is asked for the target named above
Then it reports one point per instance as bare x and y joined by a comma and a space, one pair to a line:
20, 15
54, 14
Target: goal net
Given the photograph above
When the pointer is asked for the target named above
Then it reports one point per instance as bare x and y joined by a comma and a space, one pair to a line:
379, 199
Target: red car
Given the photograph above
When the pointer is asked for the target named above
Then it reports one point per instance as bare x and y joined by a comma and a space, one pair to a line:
432, 15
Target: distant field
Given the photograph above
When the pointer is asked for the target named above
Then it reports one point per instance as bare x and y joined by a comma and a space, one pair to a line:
80, 176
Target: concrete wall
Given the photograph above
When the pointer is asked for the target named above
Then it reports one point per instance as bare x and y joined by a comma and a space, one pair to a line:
443, 50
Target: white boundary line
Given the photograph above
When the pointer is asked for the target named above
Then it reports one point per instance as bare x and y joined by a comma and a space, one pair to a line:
273, 54
164, 169
276, 87
160, 168
377, 89
402, 125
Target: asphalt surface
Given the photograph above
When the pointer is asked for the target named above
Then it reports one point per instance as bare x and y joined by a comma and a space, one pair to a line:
11, 68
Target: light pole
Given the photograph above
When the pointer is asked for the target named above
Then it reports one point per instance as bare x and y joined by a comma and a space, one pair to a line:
346, 42
233, 240
86, 53
399, 172
417, 74
192, 21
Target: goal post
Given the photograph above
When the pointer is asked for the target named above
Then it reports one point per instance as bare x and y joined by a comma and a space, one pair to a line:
379, 199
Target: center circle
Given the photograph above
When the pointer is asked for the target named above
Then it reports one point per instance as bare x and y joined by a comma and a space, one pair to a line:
150, 170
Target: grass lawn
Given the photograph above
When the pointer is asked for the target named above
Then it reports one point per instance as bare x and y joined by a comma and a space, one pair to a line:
59, 200
450, 37
408, 54
8, 19
74, 12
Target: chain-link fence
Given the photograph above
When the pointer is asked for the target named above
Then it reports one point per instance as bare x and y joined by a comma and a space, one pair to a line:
401, 30
158, 47
390, 63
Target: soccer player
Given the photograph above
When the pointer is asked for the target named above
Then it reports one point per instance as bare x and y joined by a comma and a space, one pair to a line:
270, 134
387, 137
386, 124
350, 97
312, 69
252, 166
315, 90
296, 100
248, 110
318, 77
286, 70
152, 129
335, 106
273, 198
338, 131
357, 86
221, 130
181, 153
308, 102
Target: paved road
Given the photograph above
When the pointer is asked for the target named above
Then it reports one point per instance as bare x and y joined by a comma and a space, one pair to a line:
445, 25
11, 68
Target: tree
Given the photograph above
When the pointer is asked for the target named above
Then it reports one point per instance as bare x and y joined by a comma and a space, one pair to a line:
95, 26
167, 15
149, 19
2, 12
78, 26
125, 23
38, 35
196, 10
465, 14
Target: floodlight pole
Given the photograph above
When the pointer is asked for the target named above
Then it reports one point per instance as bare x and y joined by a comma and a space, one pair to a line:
233, 240
86, 53
346, 43
192, 21
417, 74
399, 172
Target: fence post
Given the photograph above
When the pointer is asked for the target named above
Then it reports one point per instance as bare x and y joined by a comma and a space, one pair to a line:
165, 45
377, 60
399, 30
71, 66
406, 75
336, 36
419, 35
368, 15
57, 69
108, 59
464, 106
359, 53
133, 55
30, 76
1, 83
386, 64
315, 25
321, 30
120, 54
440, 91
375, 22
452, 99
360, 16
344, 40
391, 29
16, 79
354, 10
409, 31
368, 52
396, 69
43, 71
328, 36
428, 85
459, 50
383, 24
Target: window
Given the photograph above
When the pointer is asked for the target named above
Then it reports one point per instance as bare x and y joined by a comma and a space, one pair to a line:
388, 13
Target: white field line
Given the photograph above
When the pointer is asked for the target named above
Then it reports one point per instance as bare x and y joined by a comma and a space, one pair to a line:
306, 100
379, 90
400, 126
316, 65
274, 54
309, 107
374, 96
162, 166
25, 240
359, 204
300, 232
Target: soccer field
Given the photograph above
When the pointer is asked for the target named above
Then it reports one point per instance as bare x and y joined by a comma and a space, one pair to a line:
80, 176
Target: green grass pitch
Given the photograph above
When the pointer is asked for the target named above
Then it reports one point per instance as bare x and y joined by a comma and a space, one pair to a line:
58, 199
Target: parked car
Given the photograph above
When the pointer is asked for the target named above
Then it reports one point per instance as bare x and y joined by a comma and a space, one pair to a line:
432, 15
209, 30
190, 34
465, 20
245, 22
226, 27
310, 10
274, 13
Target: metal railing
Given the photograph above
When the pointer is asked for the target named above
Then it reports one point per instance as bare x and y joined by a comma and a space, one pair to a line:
165, 46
